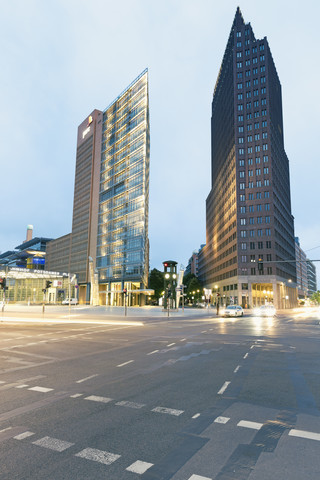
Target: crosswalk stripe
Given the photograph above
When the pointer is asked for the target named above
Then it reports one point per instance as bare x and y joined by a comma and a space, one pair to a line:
53, 444
95, 398
98, 456
139, 467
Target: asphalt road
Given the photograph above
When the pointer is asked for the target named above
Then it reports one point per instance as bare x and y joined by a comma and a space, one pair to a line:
96, 395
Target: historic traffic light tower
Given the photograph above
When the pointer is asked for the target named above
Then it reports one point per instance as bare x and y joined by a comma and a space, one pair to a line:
170, 283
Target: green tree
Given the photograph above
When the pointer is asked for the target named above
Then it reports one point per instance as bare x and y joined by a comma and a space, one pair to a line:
193, 284
315, 297
156, 283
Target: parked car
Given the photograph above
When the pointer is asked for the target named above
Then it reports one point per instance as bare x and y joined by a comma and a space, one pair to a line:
232, 311
265, 311
73, 301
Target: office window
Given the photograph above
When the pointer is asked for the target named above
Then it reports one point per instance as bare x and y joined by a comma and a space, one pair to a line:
252, 246
257, 149
241, 174
264, 123
241, 186
269, 270
247, 63
239, 64
243, 246
244, 258
257, 136
256, 103
240, 129
262, 68
247, 52
258, 171
241, 151
242, 221
263, 80
249, 149
254, 71
248, 94
266, 170
239, 54
241, 163
243, 233
251, 221
259, 208
251, 207
254, 50
268, 244
240, 107
248, 83
249, 138
268, 219
242, 209
249, 116
267, 206
259, 219
256, 114
261, 47
268, 232
249, 127
240, 96
265, 146
258, 196
260, 245
257, 160
248, 105
269, 257
248, 73
242, 197
240, 118
265, 158
239, 86
250, 173
250, 185
239, 75
238, 34
266, 194
266, 183
241, 140
255, 93
249, 161
264, 101
255, 81
250, 197
263, 113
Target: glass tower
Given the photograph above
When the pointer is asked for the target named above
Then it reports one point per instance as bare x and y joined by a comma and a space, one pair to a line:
122, 245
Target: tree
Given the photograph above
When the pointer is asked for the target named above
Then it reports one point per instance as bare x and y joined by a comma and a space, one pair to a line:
156, 283
315, 297
193, 284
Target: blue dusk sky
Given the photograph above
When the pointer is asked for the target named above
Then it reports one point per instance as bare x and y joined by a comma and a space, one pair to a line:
63, 58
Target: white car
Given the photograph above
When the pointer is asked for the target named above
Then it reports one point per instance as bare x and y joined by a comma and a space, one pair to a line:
233, 311
265, 311
73, 301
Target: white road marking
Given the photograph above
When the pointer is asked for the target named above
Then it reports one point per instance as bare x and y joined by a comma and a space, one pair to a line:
223, 388
76, 395
139, 467
204, 331
154, 351
23, 435
125, 403
236, 369
183, 339
222, 420
53, 444
40, 389
199, 477
169, 411
98, 456
126, 363
22, 386
245, 356
1, 381
304, 434
5, 429
196, 415
95, 398
246, 424
170, 344
87, 378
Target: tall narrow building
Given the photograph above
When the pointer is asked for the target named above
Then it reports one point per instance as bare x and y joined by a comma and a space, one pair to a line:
109, 245
249, 257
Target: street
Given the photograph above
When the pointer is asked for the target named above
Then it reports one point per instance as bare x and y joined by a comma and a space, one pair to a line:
91, 394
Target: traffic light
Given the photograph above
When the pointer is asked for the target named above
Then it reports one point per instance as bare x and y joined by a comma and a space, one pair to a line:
48, 284
260, 264
1, 282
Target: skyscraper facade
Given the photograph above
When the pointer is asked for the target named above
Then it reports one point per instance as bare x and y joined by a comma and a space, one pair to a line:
109, 243
249, 257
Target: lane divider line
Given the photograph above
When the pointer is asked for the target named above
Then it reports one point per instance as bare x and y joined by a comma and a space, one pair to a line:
223, 388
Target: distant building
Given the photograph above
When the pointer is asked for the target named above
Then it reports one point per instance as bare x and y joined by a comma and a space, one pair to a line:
193, 263
250, 250
302, 270
312, 277
30, 254
108, 246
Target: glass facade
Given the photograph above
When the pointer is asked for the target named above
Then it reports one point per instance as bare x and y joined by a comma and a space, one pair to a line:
122, 245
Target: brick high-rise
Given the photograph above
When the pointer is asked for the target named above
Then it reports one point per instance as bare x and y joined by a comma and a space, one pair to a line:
248, 210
